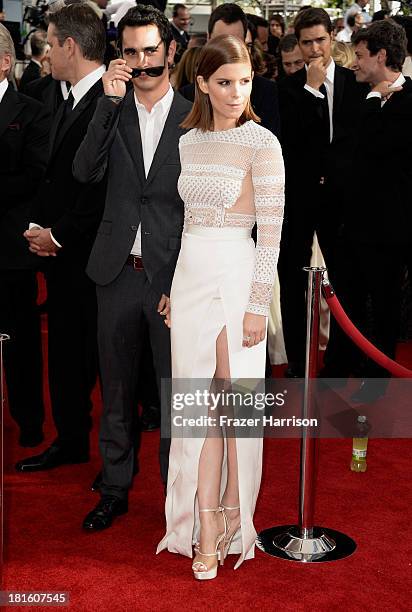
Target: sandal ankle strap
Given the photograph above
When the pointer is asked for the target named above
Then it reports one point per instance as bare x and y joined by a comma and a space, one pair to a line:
230, 507
211, 509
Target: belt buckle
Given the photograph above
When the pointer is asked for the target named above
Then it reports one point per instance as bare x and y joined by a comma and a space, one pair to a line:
137, 262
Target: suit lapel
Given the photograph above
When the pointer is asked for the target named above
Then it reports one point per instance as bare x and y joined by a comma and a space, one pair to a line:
130, 132
61, 129
169, 137
338, 88
10, 107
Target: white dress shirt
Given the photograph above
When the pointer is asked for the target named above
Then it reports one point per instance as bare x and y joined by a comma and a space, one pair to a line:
151, 128
376, 94
3, 88
79, 91
407, 66
345, 35
329, 81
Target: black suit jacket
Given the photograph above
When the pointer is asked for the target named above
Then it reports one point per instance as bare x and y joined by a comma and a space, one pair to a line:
48, 91
264, 99
23, 156
72, 210
379, 200
308, 155
113, 141
31, 73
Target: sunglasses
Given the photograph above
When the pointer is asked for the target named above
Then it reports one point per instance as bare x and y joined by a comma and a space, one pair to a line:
151, 71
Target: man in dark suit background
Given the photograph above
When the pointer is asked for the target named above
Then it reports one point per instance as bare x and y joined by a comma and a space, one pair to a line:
378, 217
23, 155
180, 29
65, 219
319, 107
135, 136
38, 45
230, 19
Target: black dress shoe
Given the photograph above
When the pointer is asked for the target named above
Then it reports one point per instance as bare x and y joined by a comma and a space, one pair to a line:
30, 438
295, 370
103, 514
150, 418
369, 391
52, 457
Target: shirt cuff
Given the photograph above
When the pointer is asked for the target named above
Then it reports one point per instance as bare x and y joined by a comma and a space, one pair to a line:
33, 225
313, 91
55, 241
374, 94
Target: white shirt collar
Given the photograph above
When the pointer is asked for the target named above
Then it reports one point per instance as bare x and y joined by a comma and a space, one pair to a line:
163, 104
399, 81
3, 88
82, 87
36, 62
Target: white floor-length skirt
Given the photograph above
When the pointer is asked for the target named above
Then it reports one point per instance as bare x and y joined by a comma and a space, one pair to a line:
210, 290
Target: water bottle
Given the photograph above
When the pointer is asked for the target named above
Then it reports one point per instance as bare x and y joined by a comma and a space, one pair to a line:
360, 445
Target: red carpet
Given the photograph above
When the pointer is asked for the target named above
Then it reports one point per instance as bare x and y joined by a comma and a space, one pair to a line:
117, 570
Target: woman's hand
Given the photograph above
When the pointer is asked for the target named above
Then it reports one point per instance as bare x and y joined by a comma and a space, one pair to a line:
254, 329
164, 309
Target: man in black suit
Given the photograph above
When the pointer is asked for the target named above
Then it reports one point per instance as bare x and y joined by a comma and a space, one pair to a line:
23, 155
135, 136
230, 19
180, 29
49, 91
64, 224
378, 221
38, 44
319, 108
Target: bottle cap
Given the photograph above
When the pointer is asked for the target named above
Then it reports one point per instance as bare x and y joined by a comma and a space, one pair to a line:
362, 418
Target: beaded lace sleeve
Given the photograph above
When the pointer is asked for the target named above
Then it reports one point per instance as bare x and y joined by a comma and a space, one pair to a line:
268, 178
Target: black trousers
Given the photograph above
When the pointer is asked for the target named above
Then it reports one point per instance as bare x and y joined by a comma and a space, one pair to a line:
314, 214
20, 319
370, 282
72, 333
127, 311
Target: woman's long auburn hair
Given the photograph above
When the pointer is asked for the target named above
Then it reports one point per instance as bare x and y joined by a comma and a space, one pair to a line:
224, 49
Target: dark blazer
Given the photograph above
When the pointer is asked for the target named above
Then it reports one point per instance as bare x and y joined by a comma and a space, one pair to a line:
31, 73
181, 39
113, 141
379, 200
23, 156
264, 99
72, 210
308, 155
48, 91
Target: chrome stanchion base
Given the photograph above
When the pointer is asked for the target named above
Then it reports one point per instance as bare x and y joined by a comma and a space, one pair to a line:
286, 542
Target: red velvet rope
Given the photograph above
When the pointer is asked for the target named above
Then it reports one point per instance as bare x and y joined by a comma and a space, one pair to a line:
359, 339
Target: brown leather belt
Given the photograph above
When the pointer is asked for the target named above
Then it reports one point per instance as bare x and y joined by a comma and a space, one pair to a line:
135, 261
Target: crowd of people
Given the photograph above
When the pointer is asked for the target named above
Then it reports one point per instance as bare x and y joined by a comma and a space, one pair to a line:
134, 175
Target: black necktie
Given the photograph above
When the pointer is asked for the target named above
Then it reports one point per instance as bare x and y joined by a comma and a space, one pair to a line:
325, 113
68, 106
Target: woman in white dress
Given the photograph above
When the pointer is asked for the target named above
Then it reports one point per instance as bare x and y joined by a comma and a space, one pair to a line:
232, 176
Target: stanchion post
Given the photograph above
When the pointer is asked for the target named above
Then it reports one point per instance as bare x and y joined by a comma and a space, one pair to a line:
3, 338
305, 542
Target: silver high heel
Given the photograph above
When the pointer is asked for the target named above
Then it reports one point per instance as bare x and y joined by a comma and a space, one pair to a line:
229, 536
200, 570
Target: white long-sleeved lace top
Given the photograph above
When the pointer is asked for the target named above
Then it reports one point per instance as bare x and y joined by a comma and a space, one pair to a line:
234, 178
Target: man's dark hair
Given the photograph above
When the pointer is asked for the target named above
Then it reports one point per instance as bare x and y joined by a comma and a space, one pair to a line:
406, 23
260, 22
141, 15
288, 43
177, 8
380, 15
80, 22
38, 42
386, 35
228, 13
312, 17
351, 20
